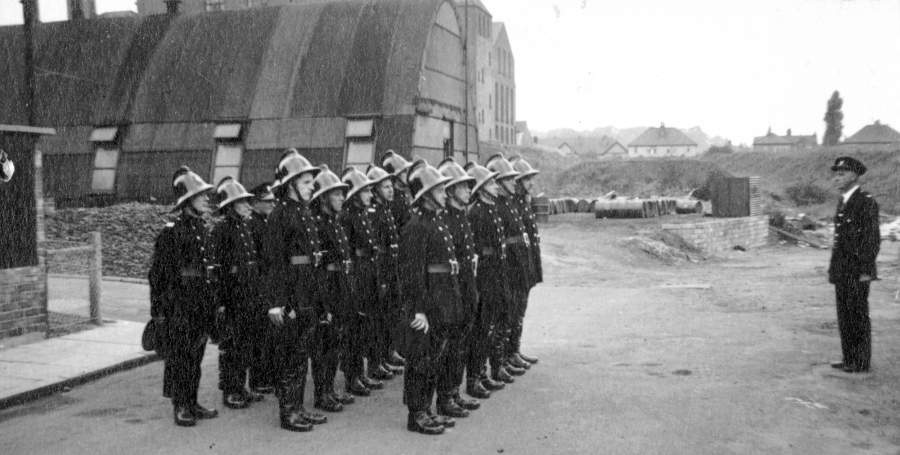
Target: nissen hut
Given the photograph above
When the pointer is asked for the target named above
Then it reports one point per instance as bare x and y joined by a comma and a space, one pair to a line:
226, 92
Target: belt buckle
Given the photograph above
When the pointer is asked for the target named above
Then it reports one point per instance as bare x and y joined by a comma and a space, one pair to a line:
454, 267
502, 251
347, 266
525, 236
317, 259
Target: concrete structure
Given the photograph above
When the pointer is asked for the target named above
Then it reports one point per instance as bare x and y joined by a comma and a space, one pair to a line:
721, 234
226, 92
662, 142
876, 135
772, 142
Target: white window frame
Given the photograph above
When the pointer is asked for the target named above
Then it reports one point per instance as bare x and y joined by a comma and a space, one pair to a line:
107, 152
230, 168
359, 148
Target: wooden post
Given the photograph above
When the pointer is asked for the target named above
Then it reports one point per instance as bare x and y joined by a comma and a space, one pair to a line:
95, 278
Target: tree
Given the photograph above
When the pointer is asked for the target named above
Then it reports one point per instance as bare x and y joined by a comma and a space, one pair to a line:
834, 118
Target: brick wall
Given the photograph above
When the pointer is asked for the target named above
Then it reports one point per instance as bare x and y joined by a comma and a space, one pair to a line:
23, 297
718, 234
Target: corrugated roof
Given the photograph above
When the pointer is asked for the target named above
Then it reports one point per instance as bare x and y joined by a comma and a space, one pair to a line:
662, 136
876, 133
313, 59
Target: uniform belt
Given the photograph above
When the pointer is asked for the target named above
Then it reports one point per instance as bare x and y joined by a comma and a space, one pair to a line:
249, 266
301, 260
197, 273
452, 268
339, 266
516, 239
488, 251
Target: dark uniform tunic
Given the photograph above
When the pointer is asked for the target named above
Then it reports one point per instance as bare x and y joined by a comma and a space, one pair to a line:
857, 239
181, 277
430, 287
387, 240
364, 331
459, 335
400, 207
338, 288
519, 268
537, 273
239, 292
263, 369
290, 248
493, 285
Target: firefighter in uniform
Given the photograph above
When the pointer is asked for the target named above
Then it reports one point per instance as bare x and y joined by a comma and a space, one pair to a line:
518, 256
387, 240
262, 368
290, 249
431, 297
238, 291
459, 192
338, 348
493, 287
397, 166
181, 280
524, 185
852, 269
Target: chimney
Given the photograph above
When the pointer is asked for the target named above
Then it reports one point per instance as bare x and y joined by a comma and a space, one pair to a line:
172, 6
662, 129
81, 9
789, 132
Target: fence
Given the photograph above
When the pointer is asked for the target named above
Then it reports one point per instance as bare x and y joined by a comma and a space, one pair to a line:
68, 264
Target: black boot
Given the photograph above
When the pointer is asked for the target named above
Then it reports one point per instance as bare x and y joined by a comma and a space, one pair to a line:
235, 401
253, 396
475, 389
517, 362
502, 375
291, 420
527, 358
421, 422
381, 373
343, 398
371, 383
327, 403
184, 417
492, 384
447, 422
394, 370
199, 412
311, 417
446, 406
396, 360
356, 387
469, 405
513, 370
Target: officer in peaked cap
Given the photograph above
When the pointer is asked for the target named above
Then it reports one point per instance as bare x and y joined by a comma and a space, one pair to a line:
365, 333
431, 293
459, 192
7, 167
332, 343
518, 258
181, 279
238, 293
494, 293
857, 240
522, 197
399, 168
263, 368
290, 250
387, 239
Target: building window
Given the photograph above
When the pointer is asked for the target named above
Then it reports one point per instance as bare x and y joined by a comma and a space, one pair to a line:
490, 101
490, 59
106, 159
360, 136
229, 152
448, 138
215, 5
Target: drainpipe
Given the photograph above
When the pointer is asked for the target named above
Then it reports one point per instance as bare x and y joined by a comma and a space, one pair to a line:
30, 15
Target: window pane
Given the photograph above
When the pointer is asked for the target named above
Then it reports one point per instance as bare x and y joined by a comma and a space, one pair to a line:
225, 171
360, 152
104, 134
106, 159
228, 155
104, 180
231, 131
359, 128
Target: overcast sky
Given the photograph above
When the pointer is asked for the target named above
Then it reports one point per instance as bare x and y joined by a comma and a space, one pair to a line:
732, 67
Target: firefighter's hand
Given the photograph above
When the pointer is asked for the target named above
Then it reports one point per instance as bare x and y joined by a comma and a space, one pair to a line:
292, 314
420, 322
221, 309
276, 315
864, 278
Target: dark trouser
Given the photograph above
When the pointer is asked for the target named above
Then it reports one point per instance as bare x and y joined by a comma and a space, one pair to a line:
452, 365
422, 368
327, 347
292, 342
263, 363
354, 328
854, 324
376, 346
500, 317
517, 319
478, 346
236, 352
181, 377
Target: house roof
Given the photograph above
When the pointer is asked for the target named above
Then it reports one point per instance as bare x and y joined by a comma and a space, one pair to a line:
770, 139
471, 3
876, 133
316, 59
583, 145
662, 136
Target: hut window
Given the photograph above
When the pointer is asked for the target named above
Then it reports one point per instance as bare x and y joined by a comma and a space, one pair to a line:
227, 162
360, 128
360, 142
230, 131
104, 176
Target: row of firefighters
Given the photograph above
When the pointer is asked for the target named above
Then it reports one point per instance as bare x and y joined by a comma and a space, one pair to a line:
404, 269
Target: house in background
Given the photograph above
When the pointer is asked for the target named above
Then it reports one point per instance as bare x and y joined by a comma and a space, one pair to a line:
876, 136
597, 147
772, 142
662, 142
227, 92
523, 135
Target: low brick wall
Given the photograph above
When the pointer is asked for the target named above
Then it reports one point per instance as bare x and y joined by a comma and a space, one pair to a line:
23, 301
718, 234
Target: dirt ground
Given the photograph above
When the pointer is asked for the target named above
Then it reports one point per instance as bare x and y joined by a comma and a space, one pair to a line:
683, 354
